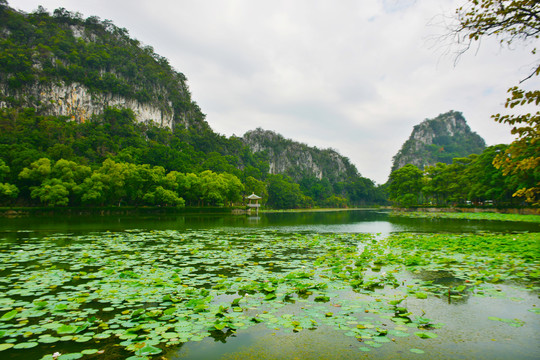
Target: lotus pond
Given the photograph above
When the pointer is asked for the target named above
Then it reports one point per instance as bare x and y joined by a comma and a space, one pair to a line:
241, 288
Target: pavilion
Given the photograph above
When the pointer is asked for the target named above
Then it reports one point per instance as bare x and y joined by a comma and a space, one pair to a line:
254, 202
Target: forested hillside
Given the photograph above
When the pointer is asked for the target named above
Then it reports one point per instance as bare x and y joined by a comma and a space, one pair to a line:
471, 180
439, 140
79, 96
286, 156
62, 64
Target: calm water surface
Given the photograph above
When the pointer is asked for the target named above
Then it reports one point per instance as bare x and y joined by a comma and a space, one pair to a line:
354, 221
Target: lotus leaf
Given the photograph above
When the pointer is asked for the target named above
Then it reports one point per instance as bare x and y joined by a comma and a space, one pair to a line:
9, 315
5, 346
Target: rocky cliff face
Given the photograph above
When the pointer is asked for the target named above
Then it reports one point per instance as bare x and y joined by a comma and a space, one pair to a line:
78, 103
438, 140
64, 65
298, 160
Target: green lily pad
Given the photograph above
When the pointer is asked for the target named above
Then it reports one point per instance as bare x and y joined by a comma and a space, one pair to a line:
70, 356
426, 335
416, 351
170, 335
66, 329
9, 315
82, 339
48, 339
26, 345
5, 346
89, 351
148, 350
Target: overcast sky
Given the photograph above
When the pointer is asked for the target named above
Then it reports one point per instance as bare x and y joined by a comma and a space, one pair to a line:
352, 75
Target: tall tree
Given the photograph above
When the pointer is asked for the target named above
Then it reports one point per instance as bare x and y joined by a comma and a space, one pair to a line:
511, 21
283, 193
7, 191
405, 185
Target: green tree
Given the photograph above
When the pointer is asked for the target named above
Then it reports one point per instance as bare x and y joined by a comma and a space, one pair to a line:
188, 187
38, 170
511, 21
283, 193
446, 184
318, 189
107, 184
141, 180
233, 188
362, 191
405, 185
212, 188
7, 191
52, 192
94, 189
485, 181
257, 187
55, 185
335, 202
163, 197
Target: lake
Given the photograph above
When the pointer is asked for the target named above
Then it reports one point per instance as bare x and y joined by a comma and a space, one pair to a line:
306, 285
369, 221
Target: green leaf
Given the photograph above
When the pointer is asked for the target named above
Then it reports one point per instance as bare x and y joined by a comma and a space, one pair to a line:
5, 346
220, 326
148, 350
66, 329
9, 315
26, 345
70, 356
89, 351
48, 339
426, 335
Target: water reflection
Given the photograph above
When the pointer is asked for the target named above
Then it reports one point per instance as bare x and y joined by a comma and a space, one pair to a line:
354, 221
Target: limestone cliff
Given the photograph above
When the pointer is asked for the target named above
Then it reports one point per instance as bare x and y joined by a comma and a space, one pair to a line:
299, 160
64, 65
439, 140
77, 102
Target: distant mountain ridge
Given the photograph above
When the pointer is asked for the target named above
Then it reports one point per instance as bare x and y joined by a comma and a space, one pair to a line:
298, 160
441, 139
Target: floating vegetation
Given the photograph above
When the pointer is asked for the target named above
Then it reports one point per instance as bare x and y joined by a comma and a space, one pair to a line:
136, 294
492, 216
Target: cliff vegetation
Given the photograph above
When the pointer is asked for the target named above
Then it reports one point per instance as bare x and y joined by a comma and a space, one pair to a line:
439, 140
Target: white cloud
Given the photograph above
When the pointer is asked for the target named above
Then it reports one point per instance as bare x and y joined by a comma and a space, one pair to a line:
354, 76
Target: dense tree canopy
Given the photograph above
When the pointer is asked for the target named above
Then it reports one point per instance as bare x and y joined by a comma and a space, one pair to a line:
472, 180
405, 185
113, 160
511, 21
